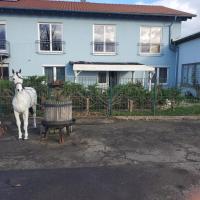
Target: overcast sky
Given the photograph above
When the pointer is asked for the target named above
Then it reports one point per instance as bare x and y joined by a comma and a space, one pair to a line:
192, 6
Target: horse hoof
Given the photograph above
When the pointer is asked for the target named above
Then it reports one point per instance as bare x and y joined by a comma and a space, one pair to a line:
20, 138
25, 138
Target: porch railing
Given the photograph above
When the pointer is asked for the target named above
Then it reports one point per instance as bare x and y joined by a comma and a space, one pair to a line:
55, 46
104, 48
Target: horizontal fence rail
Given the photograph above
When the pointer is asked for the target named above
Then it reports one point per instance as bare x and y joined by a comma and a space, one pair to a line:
128, 96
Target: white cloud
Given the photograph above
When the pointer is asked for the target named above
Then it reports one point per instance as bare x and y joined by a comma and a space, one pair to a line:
192, 6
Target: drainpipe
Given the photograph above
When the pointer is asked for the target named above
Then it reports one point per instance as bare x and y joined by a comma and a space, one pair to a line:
177, 65
175, 49
170, 33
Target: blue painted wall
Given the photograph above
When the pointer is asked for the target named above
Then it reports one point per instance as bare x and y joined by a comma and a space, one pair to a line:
22, 32
189, 53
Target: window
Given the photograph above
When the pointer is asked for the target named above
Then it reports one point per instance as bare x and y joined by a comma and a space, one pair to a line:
54, 73
2, 37
150, 40
160, 75
50, 36
102, 77
191, 74
4, 73
104, 39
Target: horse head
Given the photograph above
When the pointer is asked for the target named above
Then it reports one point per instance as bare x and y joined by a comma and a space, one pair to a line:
17, 79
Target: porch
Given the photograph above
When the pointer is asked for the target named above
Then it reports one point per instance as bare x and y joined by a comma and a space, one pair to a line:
111, 74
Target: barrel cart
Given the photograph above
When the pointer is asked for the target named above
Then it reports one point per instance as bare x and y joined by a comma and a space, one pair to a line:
57, 118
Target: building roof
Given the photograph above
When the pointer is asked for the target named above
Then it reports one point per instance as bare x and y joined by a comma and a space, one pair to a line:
87, 7
187, 38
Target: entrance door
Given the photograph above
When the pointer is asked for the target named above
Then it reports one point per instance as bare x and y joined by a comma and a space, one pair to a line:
112, 78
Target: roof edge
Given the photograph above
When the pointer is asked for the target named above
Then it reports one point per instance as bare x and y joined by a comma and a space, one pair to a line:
186, 16
187, 38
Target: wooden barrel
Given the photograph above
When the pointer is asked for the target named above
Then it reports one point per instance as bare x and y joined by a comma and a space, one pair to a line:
58, 111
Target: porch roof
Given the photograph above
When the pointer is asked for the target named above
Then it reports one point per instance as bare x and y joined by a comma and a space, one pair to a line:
81, 66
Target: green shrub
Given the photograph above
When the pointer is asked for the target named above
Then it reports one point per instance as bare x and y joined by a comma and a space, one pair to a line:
71, 89
171, 94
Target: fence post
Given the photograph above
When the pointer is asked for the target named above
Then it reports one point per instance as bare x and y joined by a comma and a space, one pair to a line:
87, 105
110, 99
131, 105
155, 98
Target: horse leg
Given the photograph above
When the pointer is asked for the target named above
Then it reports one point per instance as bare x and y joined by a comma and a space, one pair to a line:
25, 117
34, 116
18, 122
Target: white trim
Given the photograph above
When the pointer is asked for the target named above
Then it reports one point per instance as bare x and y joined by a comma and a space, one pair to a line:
50, 30
104, 53
161, 40
107, 67
53, 65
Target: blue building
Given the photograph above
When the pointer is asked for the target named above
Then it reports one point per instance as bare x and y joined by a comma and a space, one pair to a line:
188, 63
100, 42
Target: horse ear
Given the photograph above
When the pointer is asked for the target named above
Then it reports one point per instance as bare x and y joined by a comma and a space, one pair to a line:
13, 71
20, 71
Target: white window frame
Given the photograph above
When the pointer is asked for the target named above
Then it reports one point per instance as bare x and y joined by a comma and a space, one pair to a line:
104, 40
50, 29
54, 70
158, 74
161, 39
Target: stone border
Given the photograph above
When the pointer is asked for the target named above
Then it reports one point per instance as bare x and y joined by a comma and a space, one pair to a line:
163, 118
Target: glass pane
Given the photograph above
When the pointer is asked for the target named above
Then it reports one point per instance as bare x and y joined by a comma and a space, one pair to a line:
99, 33
110, 47
197, 74
60, 73
184, 74
56, 33
2, 37
110, 33
155, 48
44, 37
145, 34
102, 77
155, 35
145, 48
191, 77
49, 74
162, 75
99, 38
98, 46
110, 38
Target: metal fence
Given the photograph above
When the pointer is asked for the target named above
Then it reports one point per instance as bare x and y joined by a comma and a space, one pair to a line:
127, 97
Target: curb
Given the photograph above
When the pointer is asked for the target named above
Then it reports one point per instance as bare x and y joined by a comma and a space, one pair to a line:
161, 118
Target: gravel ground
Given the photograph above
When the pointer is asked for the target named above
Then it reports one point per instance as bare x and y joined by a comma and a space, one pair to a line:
104, 159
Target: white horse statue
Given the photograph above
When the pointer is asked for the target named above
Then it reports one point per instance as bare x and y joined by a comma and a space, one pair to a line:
25, 100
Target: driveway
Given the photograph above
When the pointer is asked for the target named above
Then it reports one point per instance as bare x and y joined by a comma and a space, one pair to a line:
104, 159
